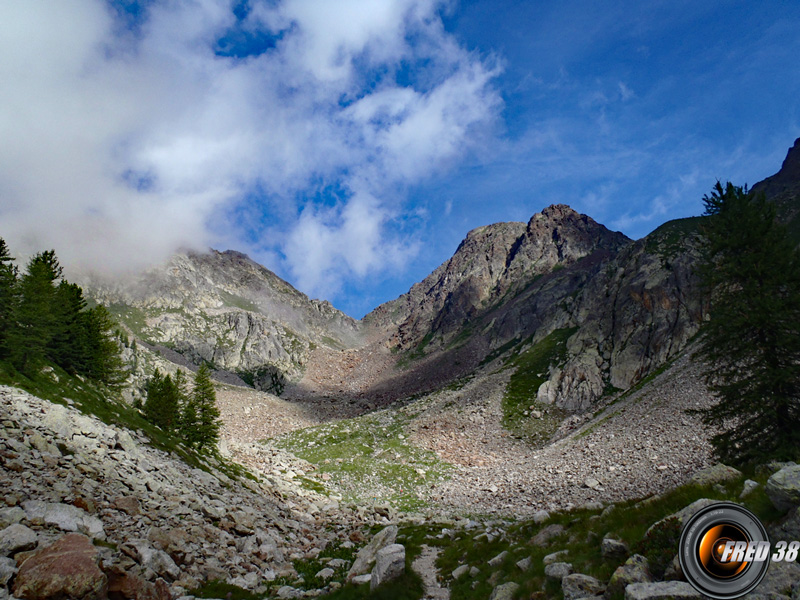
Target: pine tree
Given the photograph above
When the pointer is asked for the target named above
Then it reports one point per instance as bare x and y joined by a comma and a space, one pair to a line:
161, 407
68, 346
751, 341
208, 417
8, 281
104, 363
33, 315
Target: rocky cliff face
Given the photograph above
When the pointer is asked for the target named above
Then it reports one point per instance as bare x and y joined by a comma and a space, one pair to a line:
632, 305
223, 308
492, 264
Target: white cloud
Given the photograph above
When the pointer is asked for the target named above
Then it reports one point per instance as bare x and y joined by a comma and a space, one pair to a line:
119, 146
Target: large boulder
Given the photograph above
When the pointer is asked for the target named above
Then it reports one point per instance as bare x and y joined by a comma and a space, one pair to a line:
17, 538
64, 516
779, 580
367, 555
390, 563
505, 591
686, 513
635, 570
783, 488
719, 473
662, 590
66, 569
579, 585
558, 570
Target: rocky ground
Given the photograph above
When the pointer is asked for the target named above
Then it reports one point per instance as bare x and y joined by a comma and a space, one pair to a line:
641, 444
154, 519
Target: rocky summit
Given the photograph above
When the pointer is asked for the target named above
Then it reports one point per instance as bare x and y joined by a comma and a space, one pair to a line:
519, 424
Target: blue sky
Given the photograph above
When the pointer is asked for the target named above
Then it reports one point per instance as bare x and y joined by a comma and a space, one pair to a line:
349, 145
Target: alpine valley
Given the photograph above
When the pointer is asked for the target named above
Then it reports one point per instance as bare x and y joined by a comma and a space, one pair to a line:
511, 427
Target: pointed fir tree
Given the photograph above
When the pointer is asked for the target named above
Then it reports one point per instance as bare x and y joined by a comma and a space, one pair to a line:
162, 404
33, 316
751, 340
68, 346
103, 351
208, 417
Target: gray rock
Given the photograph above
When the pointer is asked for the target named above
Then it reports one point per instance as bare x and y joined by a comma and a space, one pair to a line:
505, 591
783, 488
611, 548
157, 561
10, 515
497, 560
662, 590
779, 579
719, 473
288, 591
748, 488
524, 564
544, 537
362, 579
558, 570
367, 555
325, 573
337, 563
554, 557
8, 568
788, 528
686, 513
17, 538
592, 484
390, 563
540, 516
635, 570
674, 571
579, 585
459, 571
64, 516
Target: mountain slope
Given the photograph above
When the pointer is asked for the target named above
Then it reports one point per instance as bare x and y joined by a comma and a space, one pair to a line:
225, 309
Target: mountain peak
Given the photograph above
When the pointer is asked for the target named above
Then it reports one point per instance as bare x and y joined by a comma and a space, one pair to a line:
790, 169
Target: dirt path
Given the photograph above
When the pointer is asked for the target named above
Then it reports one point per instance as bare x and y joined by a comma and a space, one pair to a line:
425, 566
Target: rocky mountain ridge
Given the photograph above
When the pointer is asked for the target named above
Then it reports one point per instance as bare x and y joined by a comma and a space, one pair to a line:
227, 310
633, 305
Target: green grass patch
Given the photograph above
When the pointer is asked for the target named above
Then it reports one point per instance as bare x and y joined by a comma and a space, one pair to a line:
220, 589
237, 302
532, 370
369, 459
133, 318
583, 531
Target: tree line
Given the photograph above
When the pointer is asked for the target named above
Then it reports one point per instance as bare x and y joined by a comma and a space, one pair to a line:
44, 319
191, 415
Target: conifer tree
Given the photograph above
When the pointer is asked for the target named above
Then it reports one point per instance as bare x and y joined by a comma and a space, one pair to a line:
33, 317
8, 281
161, 407
68, 345
208, 417
751, 341
103, 351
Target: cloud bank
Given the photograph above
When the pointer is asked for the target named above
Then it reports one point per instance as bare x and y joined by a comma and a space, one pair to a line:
289, 129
